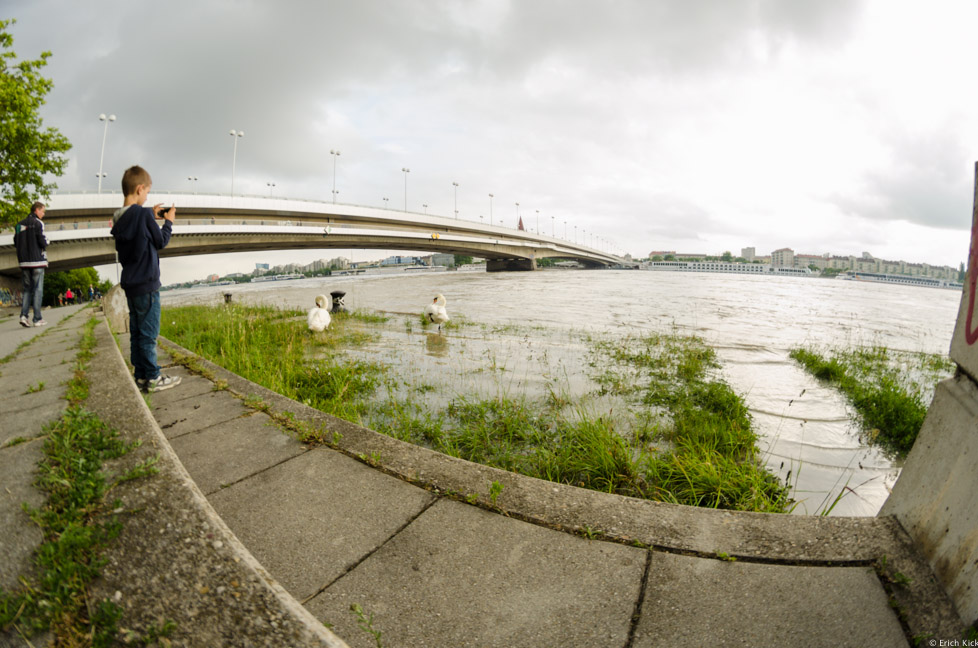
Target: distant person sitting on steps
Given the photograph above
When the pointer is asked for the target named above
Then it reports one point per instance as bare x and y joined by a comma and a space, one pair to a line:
138, 240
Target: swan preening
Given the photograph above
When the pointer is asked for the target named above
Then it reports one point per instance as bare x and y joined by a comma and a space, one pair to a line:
435, 311
318, 318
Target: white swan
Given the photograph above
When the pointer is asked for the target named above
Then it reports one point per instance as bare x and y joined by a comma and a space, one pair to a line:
435, 311
318, 318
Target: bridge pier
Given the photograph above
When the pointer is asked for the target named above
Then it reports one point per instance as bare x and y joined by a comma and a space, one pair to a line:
510, 265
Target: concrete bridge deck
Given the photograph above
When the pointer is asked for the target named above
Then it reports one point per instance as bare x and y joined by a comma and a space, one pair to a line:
249, 537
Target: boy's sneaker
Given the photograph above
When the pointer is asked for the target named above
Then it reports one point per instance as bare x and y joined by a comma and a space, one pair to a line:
24, 321
161, 382
141, 383
40, 322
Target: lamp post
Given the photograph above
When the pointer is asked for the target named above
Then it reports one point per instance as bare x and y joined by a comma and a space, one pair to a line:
553, 228
490, 210
271, 186
335, 155
105, 131
455, 184
425, 205
575, 235
565, 230
538, 221
234, 159
193, 183
517, 215
385, 201
406, 171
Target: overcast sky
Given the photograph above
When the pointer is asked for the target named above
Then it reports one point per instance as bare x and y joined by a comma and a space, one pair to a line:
698, 126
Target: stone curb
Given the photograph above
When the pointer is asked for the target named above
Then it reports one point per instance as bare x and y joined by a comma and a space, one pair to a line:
707, 533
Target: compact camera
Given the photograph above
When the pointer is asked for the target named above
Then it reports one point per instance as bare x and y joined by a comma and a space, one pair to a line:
163, 211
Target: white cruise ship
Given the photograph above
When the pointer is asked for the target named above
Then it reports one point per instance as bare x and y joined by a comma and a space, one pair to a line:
905, 280
725, 266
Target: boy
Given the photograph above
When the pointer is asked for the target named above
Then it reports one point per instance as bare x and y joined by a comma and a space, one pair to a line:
30, 242
137, 241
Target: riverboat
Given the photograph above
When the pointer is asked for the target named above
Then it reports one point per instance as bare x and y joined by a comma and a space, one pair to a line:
725, 266
903, 280
279, 277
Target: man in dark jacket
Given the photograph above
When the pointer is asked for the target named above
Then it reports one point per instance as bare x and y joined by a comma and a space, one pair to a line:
138, 240
31, 243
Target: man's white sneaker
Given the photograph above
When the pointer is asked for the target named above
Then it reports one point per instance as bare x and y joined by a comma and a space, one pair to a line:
25, 322
161, 382
40, 322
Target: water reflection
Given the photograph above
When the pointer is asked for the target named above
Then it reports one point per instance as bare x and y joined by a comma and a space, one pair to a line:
436, 345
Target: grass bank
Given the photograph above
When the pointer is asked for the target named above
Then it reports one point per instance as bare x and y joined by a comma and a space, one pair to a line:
890, 390
685, 436
75, 523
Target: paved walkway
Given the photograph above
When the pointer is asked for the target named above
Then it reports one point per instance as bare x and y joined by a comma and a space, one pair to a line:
373, 522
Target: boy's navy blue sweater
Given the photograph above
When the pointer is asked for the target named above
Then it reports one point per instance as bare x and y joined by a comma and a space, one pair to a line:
137, 240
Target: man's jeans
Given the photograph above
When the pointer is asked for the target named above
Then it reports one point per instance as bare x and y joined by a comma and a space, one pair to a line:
33, 291
144, 327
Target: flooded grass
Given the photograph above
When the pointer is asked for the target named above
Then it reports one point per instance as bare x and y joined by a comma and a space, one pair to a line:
272, 348
651, 418
888, 389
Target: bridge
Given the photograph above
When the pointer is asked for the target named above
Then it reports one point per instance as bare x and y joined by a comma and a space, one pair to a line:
77, 227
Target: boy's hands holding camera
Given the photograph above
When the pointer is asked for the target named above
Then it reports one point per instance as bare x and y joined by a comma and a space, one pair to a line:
166, 213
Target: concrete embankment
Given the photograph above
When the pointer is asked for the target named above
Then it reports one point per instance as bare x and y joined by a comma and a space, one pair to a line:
249, 537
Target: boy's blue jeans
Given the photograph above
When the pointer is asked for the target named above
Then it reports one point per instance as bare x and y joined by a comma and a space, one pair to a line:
144, 327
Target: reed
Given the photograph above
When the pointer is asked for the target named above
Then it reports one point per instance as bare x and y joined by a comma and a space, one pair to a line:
888, 389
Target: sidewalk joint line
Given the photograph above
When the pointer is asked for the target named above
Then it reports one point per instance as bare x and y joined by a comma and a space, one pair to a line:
640, 601
367, 555
254, 474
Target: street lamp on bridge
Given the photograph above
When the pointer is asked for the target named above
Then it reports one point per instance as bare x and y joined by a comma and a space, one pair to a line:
538, 221
553, 228
271, 186
425, 205
234, 158
490, 210
455, 184
335, 155
406, 171
193, 184
105, 131
517, 215
385, 201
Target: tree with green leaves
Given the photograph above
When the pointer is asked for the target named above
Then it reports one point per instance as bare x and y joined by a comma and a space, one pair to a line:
28, 151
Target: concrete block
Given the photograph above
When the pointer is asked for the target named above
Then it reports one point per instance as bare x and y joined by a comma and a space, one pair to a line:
247, 446
30, 422
116, 309
310, 519
197, 412
695, 602
20, 400
46, 359
20, 535
461, 576
934, 499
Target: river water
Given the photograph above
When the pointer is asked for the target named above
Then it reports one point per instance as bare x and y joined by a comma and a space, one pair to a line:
524, 334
